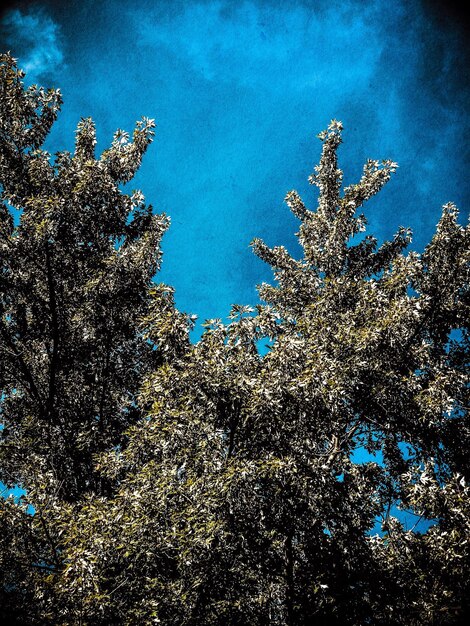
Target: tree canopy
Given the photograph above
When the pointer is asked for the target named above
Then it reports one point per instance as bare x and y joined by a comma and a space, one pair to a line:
213, 483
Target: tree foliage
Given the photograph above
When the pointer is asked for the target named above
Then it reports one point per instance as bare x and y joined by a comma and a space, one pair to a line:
75, 276
207, 483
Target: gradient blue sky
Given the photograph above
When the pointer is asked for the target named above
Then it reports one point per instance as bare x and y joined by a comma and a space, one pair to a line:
239, 90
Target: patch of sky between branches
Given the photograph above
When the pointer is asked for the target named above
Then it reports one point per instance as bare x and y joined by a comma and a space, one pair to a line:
17, 494
409, 520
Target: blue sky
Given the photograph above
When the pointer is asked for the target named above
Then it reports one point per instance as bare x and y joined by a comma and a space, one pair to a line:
239, 90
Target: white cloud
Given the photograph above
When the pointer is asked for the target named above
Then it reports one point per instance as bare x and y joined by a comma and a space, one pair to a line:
35, 38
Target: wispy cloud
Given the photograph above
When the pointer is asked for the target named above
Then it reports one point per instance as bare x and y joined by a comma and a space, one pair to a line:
36, 39
247, 43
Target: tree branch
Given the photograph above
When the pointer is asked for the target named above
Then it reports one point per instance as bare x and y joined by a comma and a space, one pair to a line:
55, 336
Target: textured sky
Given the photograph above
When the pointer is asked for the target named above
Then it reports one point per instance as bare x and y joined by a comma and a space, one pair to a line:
239, 91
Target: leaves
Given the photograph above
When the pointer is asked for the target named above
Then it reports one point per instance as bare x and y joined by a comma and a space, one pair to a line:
205, 483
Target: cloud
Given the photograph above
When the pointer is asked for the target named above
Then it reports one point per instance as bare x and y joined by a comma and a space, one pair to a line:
36, 39
249, 43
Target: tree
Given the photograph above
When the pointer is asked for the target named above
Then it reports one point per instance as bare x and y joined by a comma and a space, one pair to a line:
236, 496
74, 283
239, 501
76, 266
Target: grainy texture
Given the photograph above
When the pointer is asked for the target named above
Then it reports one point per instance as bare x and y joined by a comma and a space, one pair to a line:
226, 491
